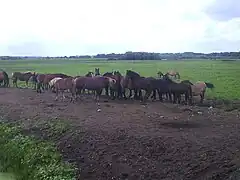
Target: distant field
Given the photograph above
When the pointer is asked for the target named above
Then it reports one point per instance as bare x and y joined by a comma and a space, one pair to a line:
223, 74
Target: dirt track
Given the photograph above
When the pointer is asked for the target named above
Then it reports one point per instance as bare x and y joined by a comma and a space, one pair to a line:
128, 140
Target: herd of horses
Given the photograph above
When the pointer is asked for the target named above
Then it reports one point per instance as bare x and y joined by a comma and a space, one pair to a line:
168, 86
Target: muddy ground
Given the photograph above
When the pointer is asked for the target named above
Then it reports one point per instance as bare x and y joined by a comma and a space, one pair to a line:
130, 140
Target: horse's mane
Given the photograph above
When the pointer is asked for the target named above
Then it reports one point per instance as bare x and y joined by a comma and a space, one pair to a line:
132, 73
107, 73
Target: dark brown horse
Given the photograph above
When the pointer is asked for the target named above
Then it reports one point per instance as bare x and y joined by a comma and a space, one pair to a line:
140, 83
96, 83
4, 79
116, 90
62, 85
126, 83
21, 76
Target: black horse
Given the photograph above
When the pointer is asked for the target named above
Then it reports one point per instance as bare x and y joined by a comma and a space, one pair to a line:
140, 83
177, 89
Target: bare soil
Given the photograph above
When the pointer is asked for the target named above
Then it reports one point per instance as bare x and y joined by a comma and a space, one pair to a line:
129, 140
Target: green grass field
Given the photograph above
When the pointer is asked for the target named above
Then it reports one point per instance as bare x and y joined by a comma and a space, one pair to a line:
223, 74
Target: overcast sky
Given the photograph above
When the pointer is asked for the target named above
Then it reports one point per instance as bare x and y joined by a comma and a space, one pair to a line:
73, 27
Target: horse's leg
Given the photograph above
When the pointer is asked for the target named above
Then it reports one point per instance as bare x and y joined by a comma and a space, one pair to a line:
56, 97
186, 98
112, 94
97, 96
179, 98
153, 97
63, 96
160, 95
147, 94
106, 91
27, 83
130, 93
135, 94
174, 98
201, 98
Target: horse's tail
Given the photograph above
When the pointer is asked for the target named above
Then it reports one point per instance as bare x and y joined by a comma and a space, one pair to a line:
210, 85
6, 78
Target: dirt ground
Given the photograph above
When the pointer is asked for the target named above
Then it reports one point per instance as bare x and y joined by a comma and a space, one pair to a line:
130, 140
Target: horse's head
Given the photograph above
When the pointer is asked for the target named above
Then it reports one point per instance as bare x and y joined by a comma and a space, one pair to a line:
89, 74
97, 71
160, 74
166, 78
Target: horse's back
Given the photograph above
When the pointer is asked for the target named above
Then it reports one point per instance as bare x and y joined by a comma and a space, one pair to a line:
64, 83
54, 80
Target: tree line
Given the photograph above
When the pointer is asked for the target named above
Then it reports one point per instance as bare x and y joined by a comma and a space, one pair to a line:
143, 56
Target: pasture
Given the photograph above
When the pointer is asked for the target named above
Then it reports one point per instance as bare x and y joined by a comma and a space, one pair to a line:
223, 74
126, 139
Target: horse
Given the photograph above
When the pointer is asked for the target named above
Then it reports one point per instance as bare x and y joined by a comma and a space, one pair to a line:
116, 90
161, 86
4, 78
199, 88
89, 74
140, 83
63, 84
44, 79
96, 83
21, 76
126, 83
33, 81
174, 74
53, 82
49, 77
97, 72
177, 89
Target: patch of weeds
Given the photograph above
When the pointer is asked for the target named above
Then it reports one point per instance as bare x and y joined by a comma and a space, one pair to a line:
57, 127
28, 158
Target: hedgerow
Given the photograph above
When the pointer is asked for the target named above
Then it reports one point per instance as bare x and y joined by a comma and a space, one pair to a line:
31, 159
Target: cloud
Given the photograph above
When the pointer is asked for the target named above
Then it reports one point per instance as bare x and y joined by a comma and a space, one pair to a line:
223, 10
57, 27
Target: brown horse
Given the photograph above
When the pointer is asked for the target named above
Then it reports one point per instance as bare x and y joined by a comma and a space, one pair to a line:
4, 78
97, 83
21, 76
44, 79
62, 85
174, 74
199, 88
89, 74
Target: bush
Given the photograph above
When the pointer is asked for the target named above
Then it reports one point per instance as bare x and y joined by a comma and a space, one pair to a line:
30, 159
